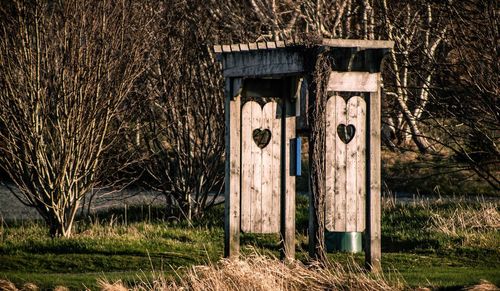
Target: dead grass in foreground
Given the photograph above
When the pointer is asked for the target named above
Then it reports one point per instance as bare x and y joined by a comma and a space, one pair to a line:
258, 272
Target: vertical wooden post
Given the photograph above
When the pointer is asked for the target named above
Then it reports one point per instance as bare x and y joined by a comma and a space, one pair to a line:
288, 177
373, 183
232, 168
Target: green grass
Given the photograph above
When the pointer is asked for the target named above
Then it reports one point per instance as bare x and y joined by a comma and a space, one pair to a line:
431, 174
419, 253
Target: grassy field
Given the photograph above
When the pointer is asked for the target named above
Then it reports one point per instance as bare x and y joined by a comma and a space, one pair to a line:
441, 245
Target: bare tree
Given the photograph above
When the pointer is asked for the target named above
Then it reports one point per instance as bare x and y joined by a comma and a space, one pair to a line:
443, 79
418, 30
65, 70
468, 120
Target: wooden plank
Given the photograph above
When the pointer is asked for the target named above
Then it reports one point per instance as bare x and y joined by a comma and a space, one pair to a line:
351, 175
249, 110
232, 171
226, 48
340, 170
256, 175
263, 63
266, 170
252, 46
276, 171
360, 164
271, 45
330, 163
368, 44
280, 44
235, 48
353, 82
269, 222
261, 46
228, 61
373, 213
244, 47
217, 48
288, 230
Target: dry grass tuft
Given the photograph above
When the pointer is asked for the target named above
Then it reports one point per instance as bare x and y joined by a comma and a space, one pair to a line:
7, 285
107, 286
474, 225
483, 286
258, 272
30, 287
464, 218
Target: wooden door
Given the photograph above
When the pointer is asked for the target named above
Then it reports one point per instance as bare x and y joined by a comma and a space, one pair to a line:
345, 164
261, 150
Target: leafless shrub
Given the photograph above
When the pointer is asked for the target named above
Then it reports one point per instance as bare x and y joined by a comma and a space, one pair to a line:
66, 69
183, 127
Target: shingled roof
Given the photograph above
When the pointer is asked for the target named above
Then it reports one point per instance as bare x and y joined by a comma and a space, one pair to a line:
329, 42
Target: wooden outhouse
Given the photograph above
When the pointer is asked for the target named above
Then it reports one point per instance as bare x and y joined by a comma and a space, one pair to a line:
267, 101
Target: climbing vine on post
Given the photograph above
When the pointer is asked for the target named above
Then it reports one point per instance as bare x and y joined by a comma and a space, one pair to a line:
321, 65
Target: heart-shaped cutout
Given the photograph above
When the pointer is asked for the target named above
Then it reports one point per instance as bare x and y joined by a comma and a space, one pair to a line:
346, 133
261, 137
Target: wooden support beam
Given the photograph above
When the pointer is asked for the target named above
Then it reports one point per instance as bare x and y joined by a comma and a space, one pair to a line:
232, 168
288, 185
373, 183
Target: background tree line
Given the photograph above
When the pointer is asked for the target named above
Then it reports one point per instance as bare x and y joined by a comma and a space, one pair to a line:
96, 93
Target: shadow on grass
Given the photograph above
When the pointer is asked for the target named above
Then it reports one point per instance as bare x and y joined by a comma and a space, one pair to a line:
395, 244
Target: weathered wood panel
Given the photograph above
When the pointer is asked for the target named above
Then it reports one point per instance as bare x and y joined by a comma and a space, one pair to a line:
330, 162
255, 178
232, 165
350, 186
259, 178
262, 63
339, 208
353, 82
373, 184
359, 43
360, 142
266, 171
248, 113
288, 205
345, 165
271, 170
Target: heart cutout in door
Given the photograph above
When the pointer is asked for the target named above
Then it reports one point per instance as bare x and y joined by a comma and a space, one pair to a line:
261, 137
346, 133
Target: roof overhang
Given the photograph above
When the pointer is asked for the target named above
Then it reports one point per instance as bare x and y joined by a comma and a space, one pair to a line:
288, 57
